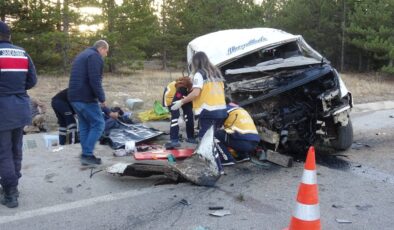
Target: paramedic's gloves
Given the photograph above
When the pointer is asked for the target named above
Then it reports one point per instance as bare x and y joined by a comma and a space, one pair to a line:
177, 105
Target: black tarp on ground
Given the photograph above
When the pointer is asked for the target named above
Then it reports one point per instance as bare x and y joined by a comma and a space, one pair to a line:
118, 136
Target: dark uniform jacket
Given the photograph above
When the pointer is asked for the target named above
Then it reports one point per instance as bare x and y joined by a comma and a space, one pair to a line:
17, 74
86, 77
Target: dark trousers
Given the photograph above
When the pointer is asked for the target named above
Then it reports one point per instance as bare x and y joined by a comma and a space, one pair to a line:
242, 147
66, 121
11, 142
206, 123
187, 116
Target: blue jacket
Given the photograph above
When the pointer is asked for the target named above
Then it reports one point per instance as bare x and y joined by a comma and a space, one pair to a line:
17, 74
86, 77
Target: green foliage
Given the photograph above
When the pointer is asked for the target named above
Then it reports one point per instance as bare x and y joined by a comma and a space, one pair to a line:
184, 20
371, 29
134, 29
318, 21
49, 30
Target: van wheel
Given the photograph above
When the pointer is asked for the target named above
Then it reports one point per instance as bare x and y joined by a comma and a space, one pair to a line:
344, 137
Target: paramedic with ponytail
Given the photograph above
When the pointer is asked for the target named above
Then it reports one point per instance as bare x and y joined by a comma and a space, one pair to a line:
207, 94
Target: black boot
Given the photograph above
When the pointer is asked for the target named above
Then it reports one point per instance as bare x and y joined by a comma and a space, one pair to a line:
10, 198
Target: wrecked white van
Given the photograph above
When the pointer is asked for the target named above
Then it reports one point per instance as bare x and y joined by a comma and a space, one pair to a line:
294, 95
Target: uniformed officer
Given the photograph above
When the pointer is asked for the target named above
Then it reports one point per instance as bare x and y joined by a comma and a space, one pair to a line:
65, 118
207, 94
239, 133
17, 74
171, 95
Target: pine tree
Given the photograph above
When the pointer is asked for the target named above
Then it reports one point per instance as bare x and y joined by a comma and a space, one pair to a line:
371, 29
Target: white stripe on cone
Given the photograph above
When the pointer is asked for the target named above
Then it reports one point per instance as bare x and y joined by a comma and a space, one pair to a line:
307, 212
309, 177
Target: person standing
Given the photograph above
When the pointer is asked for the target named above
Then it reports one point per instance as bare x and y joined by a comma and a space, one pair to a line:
85, 92
65, 118
207, 94
17, 74
173, 92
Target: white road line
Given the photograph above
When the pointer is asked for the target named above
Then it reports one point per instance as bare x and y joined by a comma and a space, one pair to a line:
72, 205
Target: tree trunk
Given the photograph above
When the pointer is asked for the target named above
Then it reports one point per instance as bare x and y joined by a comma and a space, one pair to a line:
343, 35
110, 21
360, 62
164, 60
66, 26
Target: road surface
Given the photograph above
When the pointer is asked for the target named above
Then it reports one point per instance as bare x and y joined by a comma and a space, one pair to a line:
357, 186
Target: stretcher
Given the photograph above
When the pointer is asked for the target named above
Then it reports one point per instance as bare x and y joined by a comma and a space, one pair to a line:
162, 154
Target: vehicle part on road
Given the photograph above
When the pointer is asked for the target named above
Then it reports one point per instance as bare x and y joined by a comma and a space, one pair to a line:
343, 221
220, 213
277, 158
306, 214
216, 208
184, 202
201, 168
296, 98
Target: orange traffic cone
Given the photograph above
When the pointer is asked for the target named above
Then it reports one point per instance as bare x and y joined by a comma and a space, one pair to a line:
306, 215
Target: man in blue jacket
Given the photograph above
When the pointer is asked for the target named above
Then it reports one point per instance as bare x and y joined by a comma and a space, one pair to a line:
17, 74
85, 92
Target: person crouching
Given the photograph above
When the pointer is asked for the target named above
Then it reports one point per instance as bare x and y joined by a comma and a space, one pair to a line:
65, 118
176, 91
239, 133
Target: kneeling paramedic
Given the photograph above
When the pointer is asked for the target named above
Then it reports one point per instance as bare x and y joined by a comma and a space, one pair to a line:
65, 118
239, 133
175, 91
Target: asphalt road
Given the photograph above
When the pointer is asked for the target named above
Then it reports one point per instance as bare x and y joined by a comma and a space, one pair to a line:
356, 185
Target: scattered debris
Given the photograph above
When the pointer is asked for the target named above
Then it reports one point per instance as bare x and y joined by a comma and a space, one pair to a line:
134, 103
201, 168
343, 221
262, 164
68, 190
358, 145
120, 153
336, 206
363, 207
277, 158
216, 208
240, 197
378, 134
184, 202
201, 228
130, 146
391, 116
220, 213
92, 173
117, 169
58, 149
49, 176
